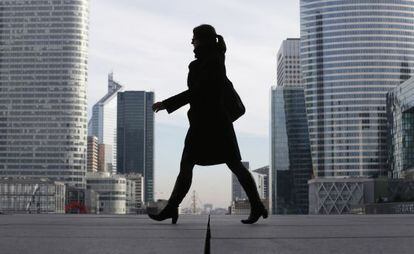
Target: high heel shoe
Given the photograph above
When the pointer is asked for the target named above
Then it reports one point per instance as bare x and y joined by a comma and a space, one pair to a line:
166, 213
255, 215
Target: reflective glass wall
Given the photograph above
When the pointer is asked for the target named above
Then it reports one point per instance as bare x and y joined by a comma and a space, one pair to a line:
135, 137
290, 151
352, 53
400, 109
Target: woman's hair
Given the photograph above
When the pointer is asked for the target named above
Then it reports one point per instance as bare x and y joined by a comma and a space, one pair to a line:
207, 35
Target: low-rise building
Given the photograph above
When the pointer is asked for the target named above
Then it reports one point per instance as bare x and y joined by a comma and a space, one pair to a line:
81, 200
31, 196
357, 195
130, 196
112, 192
240, 207
138, 194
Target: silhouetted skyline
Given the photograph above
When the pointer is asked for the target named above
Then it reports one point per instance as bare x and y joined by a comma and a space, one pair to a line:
147, 45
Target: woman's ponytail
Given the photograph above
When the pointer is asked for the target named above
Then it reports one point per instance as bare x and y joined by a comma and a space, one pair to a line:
221, 45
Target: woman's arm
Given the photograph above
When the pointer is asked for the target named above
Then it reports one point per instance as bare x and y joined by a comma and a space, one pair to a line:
173, 103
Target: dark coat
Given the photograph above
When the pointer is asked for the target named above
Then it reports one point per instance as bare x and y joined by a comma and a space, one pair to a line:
211, 138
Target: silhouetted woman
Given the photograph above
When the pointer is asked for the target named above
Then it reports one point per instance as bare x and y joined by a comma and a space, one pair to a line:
210, 139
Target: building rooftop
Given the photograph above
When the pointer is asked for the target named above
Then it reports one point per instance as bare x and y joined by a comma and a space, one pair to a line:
356, 234
23, 180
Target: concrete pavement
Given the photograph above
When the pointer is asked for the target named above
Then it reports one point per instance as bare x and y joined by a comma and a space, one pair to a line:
90, 234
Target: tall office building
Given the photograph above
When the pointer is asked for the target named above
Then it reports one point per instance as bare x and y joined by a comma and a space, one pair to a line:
105, 162
352, 54
43, 75
92, 154
237, 191
400, 110
135, 137
288, 63
103, 122
291, 163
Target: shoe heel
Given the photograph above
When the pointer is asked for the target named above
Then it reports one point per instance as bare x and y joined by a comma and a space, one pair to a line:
174, 217
174, 220
265, 214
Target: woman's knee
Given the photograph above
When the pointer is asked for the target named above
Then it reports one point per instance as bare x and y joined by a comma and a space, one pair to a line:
235, 165
186, 166
238, 169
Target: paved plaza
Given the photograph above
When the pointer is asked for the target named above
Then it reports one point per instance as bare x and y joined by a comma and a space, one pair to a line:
113, 234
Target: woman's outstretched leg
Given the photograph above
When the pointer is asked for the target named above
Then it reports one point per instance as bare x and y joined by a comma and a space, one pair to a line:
181, 187
247, 182
183, 182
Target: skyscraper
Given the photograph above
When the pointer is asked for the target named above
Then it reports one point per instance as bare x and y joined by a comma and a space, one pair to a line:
92, 154
43, 75
103, 122
291, 163
135, 137
352, 54
400, 110
288, 63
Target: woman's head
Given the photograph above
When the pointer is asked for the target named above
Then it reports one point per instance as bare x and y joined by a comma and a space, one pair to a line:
206, 35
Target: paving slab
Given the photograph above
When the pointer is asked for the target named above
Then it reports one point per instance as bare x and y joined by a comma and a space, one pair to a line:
314, 234
90, 234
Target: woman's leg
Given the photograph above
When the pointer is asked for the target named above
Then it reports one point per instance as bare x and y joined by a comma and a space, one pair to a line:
183, 182
182, 186
247, 182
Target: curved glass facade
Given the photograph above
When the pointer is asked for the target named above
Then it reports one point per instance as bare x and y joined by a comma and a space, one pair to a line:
352, 53
43, 75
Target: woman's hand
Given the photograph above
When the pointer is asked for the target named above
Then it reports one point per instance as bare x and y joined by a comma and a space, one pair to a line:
158, 106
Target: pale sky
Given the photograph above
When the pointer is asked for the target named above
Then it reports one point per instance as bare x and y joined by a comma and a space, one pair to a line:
147, 44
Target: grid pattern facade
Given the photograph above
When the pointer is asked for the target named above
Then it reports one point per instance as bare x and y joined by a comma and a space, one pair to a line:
352, 53
288, 63
31, 196
400, 108
112, 192
43, 75
135, 137
337, 197
264, 171
139, 188
92, 154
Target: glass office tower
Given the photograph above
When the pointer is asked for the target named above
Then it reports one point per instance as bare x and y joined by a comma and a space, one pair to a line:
103, 121
43, 76
400, 109
290, 151
352, 54
135, 137
290, 157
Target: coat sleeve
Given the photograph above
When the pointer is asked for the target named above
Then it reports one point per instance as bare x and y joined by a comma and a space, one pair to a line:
177, 101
